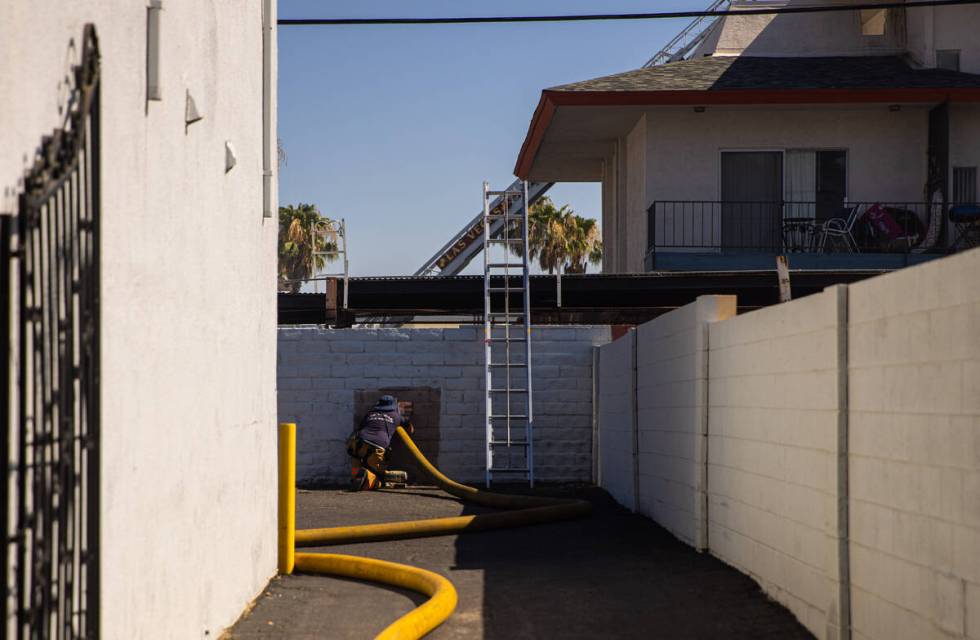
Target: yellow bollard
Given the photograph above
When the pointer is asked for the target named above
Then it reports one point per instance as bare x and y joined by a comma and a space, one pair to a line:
287, 497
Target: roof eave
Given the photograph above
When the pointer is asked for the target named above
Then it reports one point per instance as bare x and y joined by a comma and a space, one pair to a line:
551, 100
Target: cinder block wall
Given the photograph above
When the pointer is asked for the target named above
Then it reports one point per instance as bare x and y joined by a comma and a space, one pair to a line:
319, 371
671, 406
616, 419
914, 370
772, 453
885, 372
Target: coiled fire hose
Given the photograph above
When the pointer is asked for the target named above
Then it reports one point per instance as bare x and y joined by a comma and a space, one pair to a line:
526, 510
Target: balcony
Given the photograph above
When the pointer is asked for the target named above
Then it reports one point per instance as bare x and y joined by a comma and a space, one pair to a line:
714, 235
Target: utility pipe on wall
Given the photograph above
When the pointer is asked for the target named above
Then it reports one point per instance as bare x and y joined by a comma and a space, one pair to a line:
268, 22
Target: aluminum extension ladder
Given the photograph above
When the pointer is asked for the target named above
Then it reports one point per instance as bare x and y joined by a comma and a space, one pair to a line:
507, 336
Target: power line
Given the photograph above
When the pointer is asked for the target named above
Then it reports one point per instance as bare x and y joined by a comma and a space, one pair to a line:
623, 16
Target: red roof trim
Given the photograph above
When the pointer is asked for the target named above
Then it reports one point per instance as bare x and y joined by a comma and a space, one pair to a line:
550, 100
535, 132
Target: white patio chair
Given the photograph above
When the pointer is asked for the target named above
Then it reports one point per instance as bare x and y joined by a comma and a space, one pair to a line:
841, 228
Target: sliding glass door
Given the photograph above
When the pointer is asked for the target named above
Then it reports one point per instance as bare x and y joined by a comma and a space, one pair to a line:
752, 195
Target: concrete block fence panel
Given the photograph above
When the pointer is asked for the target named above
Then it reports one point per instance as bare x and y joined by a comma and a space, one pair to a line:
773, 410
616, 459
914, 370
843, 447
672, 377
326, 375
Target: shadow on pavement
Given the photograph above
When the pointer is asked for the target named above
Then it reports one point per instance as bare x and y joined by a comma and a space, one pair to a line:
614, 575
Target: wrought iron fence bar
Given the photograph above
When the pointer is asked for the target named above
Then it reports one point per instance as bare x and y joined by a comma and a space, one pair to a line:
54, 541
6, 326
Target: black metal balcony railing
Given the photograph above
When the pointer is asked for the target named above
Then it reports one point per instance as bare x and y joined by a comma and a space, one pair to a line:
864, 227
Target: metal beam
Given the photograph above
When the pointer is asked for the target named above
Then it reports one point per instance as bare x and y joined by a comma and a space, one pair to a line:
585, 299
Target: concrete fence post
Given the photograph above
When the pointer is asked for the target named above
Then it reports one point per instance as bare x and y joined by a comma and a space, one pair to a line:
702, 380
842, 488
595, 416
634, 421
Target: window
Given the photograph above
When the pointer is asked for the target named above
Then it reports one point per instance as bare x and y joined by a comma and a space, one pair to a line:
816, 183
873, 21
964, 185
948, 59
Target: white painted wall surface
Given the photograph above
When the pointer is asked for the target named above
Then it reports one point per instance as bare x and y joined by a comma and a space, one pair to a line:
772, 453
886, 150
319, 371
188, 300
886, 155
672, 416
636, 196
616, 464
609, 213
809, 35
914, 368
932, 28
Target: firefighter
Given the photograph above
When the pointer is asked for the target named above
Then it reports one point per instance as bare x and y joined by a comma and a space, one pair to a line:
369, 444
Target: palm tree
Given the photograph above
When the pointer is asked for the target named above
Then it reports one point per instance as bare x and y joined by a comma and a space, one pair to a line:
305, 241
558, 238
584, 243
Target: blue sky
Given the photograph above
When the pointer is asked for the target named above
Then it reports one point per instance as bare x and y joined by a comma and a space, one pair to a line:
394, 128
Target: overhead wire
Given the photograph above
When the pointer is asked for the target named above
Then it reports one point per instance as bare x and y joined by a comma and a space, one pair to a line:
593, 17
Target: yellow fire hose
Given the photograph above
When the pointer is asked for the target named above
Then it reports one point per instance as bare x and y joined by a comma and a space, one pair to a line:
442, 594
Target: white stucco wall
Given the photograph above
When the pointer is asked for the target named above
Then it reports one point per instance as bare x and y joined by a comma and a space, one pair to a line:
932, 28
964, 135
188, 525
609, 214
886, 153
828, 34
636, 195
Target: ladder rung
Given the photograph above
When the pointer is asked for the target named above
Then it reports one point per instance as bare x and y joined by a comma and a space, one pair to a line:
505, 265
508, 364
508, 390
505, 193
504, 416
506, 240
512, 443
511, 470
521, 339
511, 289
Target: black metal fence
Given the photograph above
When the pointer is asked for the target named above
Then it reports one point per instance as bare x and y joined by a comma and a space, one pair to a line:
861, 227
51, 449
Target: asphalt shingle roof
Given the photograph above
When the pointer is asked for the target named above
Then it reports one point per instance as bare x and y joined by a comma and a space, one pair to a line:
754, 72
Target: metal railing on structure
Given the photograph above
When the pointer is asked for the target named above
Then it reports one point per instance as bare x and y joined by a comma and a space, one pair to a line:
684, 43
794, 227
51, 436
